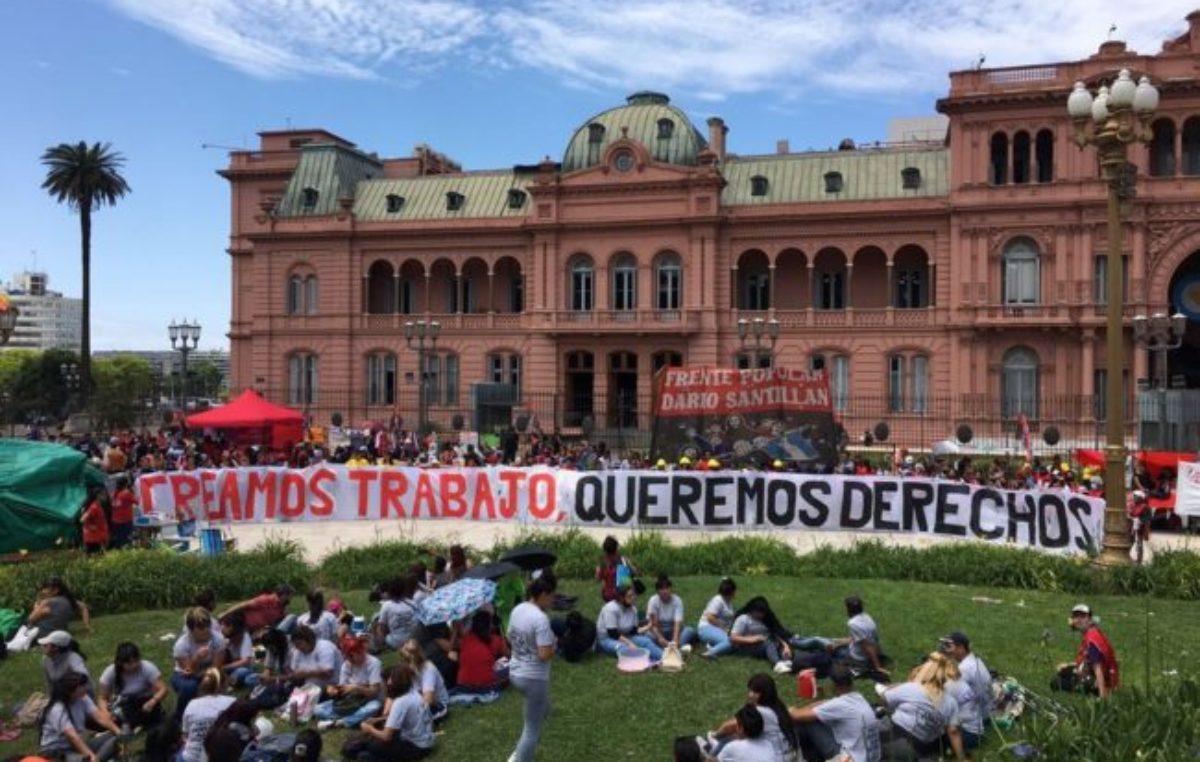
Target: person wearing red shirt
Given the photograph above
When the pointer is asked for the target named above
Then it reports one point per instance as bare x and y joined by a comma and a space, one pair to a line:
1095, 670
123, 503
95, 525
477, 654
266, 610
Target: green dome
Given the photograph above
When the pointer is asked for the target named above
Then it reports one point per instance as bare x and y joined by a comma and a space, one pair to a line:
647, 117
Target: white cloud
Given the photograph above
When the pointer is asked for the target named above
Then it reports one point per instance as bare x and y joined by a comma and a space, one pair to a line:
706, 49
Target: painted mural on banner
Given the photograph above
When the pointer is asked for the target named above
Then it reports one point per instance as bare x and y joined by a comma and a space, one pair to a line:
1049, 520
744, 417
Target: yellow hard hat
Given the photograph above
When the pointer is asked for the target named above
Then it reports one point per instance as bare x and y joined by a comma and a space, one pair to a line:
714, 463
777, 464
685, 461
662, 463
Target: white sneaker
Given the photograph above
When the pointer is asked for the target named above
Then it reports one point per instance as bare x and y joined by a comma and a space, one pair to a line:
324, 725
685, 650
512, 757
783, 667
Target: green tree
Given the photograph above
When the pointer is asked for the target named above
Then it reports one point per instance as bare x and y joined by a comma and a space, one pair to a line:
85, 178
37, 387
204, 379
124, 392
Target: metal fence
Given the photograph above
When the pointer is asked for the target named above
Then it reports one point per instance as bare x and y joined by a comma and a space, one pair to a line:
1057, 424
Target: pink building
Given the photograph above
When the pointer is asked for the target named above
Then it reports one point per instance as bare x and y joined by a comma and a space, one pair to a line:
959, 280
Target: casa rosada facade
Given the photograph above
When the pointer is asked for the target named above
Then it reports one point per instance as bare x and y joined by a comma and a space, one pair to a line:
969, 268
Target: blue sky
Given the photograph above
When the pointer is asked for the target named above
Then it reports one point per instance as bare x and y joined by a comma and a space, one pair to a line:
491, 84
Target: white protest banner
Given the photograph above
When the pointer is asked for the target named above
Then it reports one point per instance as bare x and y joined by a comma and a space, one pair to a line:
1050, 520
1187, 489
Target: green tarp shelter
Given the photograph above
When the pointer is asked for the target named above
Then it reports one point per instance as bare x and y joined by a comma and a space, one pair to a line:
42, 490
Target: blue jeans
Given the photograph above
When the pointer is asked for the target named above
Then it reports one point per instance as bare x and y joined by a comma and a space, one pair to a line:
239, 676
768, 650
812, 643
667, 629
325, 711
614, 647
185, 687
716, 639
537, 709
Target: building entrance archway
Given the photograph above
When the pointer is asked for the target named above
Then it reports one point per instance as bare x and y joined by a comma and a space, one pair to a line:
1183, 364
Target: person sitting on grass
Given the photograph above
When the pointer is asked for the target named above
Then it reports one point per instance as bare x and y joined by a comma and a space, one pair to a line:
358, 694
271, 676
427, 678
716, 619
266, 610
664, 614
1095, 670
686, 749
232, 732
843, 728
750, 745
52, 611
63, 724
406, 730
922, 712
397, 619
757, 632
861, 650
323, 623
617, 627
61, 656
239, 649
973, 691
312, 661
197, 650
479, 651
133, 688
202, 713
778, 731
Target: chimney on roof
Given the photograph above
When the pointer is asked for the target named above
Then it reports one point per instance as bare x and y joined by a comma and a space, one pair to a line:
716, 136
783, 147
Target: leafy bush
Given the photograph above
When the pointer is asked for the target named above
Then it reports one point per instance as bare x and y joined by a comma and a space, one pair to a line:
148, 579
731, 554
1159, 725
364, 565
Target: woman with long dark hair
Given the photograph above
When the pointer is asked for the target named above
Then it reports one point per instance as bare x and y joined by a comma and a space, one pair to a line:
317, 619
133, 688
778, 729
64, 723
52, 611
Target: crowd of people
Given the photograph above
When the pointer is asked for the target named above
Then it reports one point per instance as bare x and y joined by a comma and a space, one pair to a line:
323, 667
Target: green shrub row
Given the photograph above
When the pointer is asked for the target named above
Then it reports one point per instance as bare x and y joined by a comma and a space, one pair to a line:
1159, 725
134, 580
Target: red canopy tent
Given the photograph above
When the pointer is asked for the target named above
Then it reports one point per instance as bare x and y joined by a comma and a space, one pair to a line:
250, 414
1156, 461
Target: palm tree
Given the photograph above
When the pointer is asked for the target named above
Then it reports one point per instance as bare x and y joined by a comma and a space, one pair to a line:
85, 178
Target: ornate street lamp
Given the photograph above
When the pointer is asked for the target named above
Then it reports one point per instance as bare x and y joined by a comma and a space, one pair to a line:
758, 334
1110, 121
8, 318
187, 336
422, 336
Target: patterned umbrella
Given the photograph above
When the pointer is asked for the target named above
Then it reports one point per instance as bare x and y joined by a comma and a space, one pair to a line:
457, 600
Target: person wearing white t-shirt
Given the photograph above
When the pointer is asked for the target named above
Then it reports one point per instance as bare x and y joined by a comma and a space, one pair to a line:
406, 731
201, 713
361, 680
239, 648
861, 648
317, 619
844, 727
199, 648
533, 645
778, 730
664, 614
63, 731
750, 745
617, 627
717, 619
923, 710
312, 661
974, 688
132, 688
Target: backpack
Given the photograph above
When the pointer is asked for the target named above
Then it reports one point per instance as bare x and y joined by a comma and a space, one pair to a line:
579, 639
10, 622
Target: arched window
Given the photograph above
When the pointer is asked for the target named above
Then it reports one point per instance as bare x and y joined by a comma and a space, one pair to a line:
624, 283
1162, 149
381, 378
302, 378
1022, 273
998, 174
1019, 383
1044, 154
580, 295
668, 282
1191, 146
381, 288
295, 295
1020, 159
666, 359
311, 295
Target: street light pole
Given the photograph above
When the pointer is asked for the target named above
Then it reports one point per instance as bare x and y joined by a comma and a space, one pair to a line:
1111, 121
417, 334
757, 334
188, 336
69, 372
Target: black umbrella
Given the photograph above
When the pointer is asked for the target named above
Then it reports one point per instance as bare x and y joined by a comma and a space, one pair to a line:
491, 571
530, 558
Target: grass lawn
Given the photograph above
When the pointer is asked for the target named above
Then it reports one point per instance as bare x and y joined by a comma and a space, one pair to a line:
602, 714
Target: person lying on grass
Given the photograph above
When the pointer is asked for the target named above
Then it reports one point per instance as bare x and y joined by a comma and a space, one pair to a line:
63, 724
778, 731
757, 632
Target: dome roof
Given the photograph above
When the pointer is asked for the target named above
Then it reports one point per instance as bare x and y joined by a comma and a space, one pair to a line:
647, 117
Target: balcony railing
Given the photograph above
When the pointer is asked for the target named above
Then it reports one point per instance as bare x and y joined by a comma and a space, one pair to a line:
887, 317
617, 321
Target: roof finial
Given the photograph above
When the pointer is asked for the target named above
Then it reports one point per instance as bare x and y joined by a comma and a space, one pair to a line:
624, 132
